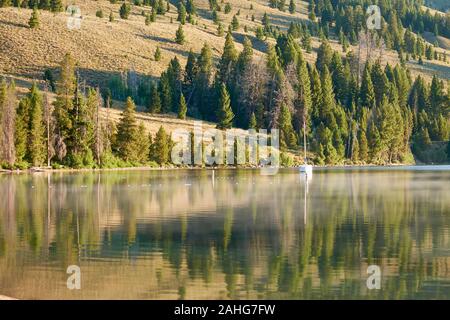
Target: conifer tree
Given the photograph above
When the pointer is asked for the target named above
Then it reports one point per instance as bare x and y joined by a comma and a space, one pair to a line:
367, 92
64, 106
203, 83
287, 134
324, 56
363, 146
155, 100
225, 114
127, 133
303, 100
328, 102
292, 7
253, 123
165, 93
34, 19
124, 10
228, 60
36, 144
182, 108
56, 6
316, 94
161, 7
220, 31
190, 7
160, 148
142, 144
148, 19
157, 55
179, 36
235, 23
181, 13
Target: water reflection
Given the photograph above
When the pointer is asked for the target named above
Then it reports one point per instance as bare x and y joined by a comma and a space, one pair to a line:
189, 235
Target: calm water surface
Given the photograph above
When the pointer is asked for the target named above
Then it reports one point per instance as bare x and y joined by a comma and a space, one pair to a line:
239, 235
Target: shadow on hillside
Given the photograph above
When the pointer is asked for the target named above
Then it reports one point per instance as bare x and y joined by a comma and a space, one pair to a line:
282, 21
442, 71
14, 24
256, 43
154, 38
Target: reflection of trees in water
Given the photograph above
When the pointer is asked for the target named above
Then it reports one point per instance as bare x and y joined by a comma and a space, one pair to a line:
247, 231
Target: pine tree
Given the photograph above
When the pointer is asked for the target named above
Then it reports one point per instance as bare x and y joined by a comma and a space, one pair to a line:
363, 146
367, 92
34, 19
225, 114
148, 19
165, 93
155, 100
182, 108
161, 7
287, 134
22, 128
63, 111
181, 13
127, 133
179, 36
124, 10
327, 107
316, 94
252, 123
157, 55
292, 7
160, 147
228, 60
303, 102
190, 7
220, 31
324, 56
142, 144
36, 148
203, 83
56, 6
153, 15
235, 23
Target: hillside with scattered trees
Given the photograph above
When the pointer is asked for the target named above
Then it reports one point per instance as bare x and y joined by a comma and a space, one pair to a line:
363, 96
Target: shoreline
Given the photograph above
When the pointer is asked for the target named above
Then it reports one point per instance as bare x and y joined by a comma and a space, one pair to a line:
144, 168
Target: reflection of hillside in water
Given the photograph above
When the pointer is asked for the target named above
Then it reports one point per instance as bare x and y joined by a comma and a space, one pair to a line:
176, 234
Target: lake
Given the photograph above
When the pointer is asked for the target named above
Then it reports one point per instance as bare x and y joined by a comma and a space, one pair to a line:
186, 234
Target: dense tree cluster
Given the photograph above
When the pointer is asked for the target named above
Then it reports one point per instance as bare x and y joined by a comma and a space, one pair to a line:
349, 18
71, 131
369, 120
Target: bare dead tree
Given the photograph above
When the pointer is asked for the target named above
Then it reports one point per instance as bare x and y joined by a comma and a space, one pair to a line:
8, 124
49, 126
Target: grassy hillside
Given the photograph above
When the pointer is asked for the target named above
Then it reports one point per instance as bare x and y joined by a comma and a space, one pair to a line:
103, 48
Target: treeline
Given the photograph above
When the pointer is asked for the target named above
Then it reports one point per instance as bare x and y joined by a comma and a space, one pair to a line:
51, 5
348, 18
71, 131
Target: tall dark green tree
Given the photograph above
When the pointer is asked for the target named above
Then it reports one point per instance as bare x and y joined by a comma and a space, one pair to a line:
225, 114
